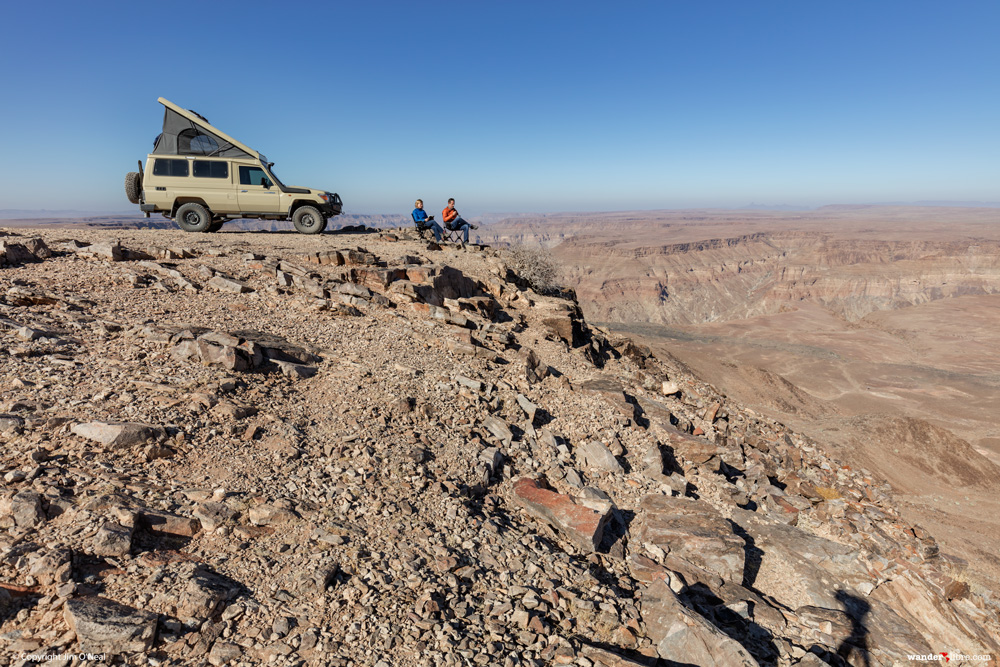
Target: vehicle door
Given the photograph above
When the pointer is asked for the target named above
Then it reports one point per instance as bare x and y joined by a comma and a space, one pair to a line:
257, 192
214, 184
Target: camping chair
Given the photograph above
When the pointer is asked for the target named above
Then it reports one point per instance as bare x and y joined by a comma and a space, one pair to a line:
449, 234
423, 229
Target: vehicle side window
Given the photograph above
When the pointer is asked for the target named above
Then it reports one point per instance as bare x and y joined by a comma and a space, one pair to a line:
254, 176
164, 167
210, 169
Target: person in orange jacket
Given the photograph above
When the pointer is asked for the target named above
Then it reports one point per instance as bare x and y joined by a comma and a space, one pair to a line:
454, 221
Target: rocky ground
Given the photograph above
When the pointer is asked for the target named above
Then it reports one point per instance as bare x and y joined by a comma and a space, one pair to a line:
364, 449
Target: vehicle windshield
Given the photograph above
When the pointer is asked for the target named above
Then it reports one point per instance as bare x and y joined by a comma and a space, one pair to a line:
267, 168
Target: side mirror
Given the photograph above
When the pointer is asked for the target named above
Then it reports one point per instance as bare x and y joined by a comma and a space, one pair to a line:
264, 182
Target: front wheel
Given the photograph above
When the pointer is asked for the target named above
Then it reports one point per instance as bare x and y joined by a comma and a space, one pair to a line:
308, 220
193, 217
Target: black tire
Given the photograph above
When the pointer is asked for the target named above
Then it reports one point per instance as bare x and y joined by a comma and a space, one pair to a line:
193, 217
216, 225
133, 187
308, 220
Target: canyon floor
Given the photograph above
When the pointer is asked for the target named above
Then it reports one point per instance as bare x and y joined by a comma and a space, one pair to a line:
367, 449
911, 394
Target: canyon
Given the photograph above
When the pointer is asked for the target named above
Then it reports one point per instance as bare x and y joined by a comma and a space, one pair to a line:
872, 328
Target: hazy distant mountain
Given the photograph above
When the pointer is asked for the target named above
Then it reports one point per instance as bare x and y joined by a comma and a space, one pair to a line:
31, 214
787, 207
972, 204
774, 207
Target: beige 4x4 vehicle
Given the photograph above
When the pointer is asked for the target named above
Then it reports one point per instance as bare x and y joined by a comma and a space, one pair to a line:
202, 177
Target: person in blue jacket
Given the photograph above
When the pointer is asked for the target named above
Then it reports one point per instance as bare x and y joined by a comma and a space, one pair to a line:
422, 221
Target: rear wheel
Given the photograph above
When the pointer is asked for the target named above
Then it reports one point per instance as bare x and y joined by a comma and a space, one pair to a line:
133, 186
308, 220
193, 217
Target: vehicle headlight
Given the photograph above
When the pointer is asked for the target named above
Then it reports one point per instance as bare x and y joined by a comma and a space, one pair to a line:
325, 197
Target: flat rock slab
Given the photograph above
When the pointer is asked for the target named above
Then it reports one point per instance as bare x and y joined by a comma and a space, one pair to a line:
295, 371
797, 568
692, 530
213, 514
682, 636
106, 626
922, 611
692, 451
205, 592
647, 570
499, 429
11, 423
275, 347
224, 653
116, 434
266, 514
25, 507
112, 539
602, 658
53, 566
166, 523
111, 250
220, 338
228, 285
611, 391
596, 455
582, 525
529, 408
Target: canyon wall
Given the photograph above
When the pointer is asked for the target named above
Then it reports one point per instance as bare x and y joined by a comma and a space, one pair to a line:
759, 274
691, 267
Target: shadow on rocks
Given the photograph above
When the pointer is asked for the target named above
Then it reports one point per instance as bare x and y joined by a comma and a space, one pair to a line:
11, 605
147, 541
615, 533
639, 415
542, 418
752, 556
756, 639
853, 651
730, 473
89, 571
488, 507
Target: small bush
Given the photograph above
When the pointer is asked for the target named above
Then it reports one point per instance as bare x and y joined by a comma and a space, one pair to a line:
534, 266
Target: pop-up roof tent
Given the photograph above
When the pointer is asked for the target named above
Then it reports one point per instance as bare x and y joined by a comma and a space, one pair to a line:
187, 133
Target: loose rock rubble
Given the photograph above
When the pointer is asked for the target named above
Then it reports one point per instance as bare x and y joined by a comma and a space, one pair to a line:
356, 449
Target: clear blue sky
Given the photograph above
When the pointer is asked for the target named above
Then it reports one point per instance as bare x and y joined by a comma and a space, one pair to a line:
516, 106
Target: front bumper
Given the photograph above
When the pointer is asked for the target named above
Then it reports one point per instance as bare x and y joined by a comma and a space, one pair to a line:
333, 207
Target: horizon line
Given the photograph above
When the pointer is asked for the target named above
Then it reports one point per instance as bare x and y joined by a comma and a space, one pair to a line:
752, 206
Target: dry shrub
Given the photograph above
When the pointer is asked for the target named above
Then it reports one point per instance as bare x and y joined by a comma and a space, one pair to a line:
828, 493
534, 266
